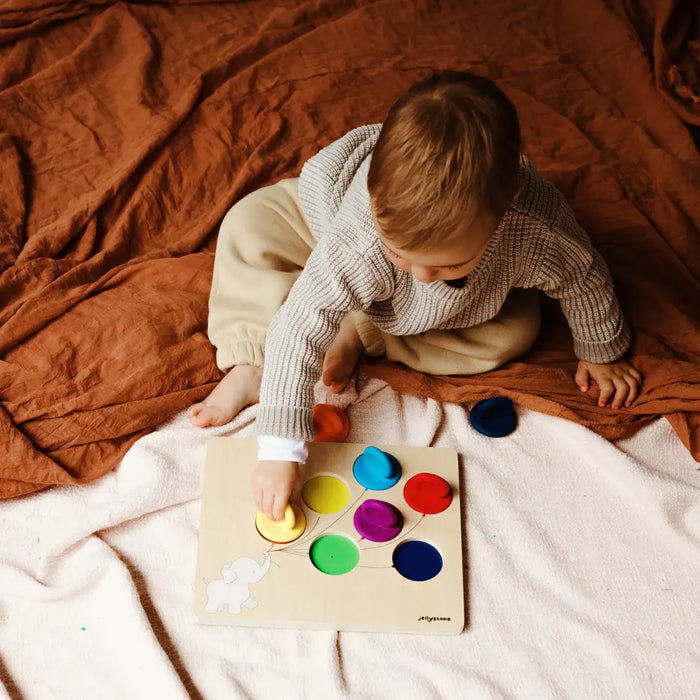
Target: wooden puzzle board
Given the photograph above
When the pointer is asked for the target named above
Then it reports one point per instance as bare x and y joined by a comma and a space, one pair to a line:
293, 592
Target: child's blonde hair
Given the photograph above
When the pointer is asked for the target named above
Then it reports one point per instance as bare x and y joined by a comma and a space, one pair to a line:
447, 153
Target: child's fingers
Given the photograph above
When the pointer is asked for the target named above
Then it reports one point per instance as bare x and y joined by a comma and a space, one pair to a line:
267, 504
622, 390
635, 374
280, 503
581, 378
257, 495
607, 389
634, 390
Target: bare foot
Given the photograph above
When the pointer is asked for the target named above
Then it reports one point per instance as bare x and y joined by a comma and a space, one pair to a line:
238, 389
342, 356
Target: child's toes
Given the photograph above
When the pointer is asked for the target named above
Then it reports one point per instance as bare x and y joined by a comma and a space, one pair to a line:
194, 413
194, 409
202, 415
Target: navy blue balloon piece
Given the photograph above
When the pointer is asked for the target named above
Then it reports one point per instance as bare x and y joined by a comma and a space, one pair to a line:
494, 417
417, 560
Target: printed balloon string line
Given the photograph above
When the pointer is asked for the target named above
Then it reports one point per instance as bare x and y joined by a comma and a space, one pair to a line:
294, 553
301, 540
422, 517
305, 538
393, 539
344, 512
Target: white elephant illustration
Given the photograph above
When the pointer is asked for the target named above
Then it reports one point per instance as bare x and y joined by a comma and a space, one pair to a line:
233, 588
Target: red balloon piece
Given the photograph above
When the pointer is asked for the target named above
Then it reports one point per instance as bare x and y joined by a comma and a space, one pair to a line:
428, 493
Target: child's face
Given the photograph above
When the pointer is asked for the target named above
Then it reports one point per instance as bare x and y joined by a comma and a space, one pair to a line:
454, 260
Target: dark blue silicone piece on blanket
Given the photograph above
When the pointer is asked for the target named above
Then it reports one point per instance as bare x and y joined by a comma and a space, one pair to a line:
494, 417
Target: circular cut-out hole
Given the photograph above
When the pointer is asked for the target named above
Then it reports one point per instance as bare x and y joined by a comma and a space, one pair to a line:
334, 554
325, 494
417, 560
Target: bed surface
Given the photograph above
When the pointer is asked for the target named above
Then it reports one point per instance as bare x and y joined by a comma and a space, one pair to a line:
127, 130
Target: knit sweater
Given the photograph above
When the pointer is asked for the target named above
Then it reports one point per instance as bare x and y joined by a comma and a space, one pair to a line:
536, 244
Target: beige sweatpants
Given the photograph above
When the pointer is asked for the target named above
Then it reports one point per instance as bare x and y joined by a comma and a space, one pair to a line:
263, 245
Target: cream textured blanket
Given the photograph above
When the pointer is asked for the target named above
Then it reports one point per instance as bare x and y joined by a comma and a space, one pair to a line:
582, 566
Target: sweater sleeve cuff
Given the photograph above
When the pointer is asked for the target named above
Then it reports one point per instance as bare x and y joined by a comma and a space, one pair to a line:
277, 449
602, 352
285, 422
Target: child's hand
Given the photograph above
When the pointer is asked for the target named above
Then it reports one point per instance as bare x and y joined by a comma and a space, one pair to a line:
274, 483
615, 379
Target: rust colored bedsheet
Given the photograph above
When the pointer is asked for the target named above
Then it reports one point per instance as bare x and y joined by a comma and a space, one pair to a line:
128, 130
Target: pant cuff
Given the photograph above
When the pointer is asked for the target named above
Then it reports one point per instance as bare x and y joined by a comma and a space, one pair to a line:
370, 336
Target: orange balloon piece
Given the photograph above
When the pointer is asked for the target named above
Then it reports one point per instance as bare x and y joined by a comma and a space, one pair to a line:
330, 423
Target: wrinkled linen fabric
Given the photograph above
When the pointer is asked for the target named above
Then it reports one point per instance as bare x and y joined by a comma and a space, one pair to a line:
127, 131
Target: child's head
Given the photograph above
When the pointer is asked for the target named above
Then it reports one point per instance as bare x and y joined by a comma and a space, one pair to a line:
444, 170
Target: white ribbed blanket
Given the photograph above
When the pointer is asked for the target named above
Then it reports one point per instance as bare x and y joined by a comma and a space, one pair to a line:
583, 568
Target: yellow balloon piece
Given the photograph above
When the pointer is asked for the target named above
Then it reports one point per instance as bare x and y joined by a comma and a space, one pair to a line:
282, 531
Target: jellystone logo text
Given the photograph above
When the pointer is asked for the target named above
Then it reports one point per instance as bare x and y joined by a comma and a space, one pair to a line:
427, 618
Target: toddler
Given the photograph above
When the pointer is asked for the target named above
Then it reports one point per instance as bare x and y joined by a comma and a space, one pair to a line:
424, 239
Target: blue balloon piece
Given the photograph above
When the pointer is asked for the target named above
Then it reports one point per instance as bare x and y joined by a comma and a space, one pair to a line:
494, 417
376, 470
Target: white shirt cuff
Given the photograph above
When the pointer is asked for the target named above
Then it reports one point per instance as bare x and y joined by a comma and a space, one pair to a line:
278, 449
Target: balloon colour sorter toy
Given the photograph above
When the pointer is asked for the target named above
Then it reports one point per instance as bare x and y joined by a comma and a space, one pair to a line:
374, 542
